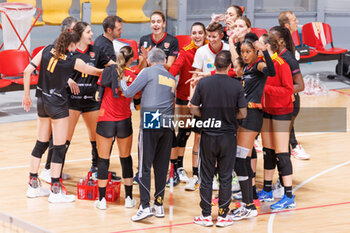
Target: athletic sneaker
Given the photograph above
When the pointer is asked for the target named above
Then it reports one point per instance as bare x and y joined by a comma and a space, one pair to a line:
265, 196
135, 180
142, 214
182, 174
235, 184
114, 176
192, 183
60, 197
130, 202
257, 203
45, 175
242, 213
35, 189
237, 196
223, 222
215, 184
257, 146
158, 211
277, 189
102, 205
176, 180
203, 221
284, 203
299, 153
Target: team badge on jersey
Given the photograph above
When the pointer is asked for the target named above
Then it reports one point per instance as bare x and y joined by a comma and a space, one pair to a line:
166, 45
92, 54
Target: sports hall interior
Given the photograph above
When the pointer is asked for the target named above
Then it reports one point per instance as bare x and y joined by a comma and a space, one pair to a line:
321, 184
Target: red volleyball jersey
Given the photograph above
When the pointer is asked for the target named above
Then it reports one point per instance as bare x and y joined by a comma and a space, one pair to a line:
116, 109
278, 91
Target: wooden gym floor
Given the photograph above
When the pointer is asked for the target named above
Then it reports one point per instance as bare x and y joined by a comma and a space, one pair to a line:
321, 184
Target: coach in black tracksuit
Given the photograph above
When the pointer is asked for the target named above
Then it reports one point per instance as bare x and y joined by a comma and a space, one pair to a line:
225, 103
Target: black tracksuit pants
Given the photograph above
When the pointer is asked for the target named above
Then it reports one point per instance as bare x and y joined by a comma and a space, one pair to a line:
220, 148
154, 149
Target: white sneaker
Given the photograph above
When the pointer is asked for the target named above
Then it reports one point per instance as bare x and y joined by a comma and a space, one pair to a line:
35, 190
237, 196
182, 174
158, 211
45, 175
129, 203
203, 221
142, 214
102, 205
192, 183
299, 153
223, 222
257, 146
61, 197
242, 213
215, 184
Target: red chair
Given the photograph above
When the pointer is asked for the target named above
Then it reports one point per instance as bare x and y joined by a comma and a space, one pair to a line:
4, 83
12, 64
296, 41
133, 45
183, 40
258, 31
318, 35
35, 52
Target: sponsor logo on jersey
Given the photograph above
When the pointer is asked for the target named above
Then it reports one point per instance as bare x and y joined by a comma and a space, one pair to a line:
92, 54
166, 45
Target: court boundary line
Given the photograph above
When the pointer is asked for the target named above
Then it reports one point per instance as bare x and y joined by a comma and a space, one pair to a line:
266, 213
272, 216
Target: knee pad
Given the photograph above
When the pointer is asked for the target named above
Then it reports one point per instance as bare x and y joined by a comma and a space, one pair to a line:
94, 149
242, 152
39, 149
182, 137
51, 143
269, 159
102, 168
241, 169
58, 154
249, 167
284, 164
254, 155
254, 174
127, 167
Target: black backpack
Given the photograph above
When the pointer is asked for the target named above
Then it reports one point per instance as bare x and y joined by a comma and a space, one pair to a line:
346, 65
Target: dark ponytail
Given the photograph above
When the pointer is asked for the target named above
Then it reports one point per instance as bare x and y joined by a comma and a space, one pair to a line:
283, 33
63, 42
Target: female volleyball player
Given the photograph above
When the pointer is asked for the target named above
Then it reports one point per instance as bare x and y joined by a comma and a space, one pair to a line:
115, 121
57, 63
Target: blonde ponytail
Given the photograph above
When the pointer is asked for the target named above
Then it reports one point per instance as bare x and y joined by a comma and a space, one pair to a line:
123, 57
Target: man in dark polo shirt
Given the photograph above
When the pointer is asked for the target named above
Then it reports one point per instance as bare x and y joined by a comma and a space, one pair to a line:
219, 101
112, 26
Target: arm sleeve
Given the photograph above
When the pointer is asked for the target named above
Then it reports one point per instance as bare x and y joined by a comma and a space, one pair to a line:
196, 99
294, 67
241, 103
286, 88
103, 59
137, 85
198, 60
177, 65
174, 48
269, 70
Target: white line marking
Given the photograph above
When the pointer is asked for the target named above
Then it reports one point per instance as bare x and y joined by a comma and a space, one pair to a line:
272, 216
67, 161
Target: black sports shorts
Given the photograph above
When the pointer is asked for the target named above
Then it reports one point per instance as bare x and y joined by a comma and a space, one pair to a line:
181, 102
120, 129
84, 105
49, 110
284, 117
296, 105
254, 120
